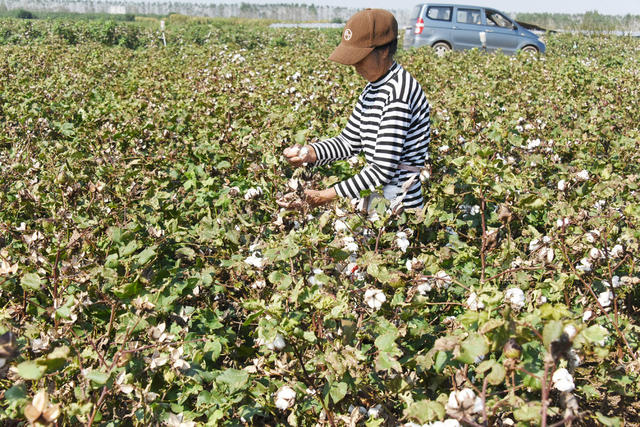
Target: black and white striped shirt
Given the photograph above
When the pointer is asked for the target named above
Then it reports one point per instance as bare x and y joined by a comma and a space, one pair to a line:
391, 124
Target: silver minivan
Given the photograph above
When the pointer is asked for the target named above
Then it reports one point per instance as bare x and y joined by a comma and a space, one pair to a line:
448, 27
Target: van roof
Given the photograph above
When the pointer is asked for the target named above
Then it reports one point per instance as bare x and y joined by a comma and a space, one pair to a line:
456, 5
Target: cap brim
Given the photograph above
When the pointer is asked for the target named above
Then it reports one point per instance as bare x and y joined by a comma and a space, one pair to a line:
349, 55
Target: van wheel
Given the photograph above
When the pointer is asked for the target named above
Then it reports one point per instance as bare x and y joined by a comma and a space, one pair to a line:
530, 49
441, 48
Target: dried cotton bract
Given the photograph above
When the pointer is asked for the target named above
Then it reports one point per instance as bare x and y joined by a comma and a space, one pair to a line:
40, 411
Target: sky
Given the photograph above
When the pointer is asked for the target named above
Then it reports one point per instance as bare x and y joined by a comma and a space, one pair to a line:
607, 7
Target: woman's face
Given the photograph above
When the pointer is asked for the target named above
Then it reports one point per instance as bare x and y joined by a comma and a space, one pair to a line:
374, 65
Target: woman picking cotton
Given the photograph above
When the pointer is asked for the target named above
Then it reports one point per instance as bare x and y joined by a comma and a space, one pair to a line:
390, 123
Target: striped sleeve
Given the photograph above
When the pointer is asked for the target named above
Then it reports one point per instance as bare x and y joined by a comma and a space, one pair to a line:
391, 134
347, 144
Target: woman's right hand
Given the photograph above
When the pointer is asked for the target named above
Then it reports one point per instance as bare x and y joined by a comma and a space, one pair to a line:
298, 155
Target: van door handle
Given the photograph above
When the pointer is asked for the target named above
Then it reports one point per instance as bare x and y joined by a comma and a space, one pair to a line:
488, 31
454, 27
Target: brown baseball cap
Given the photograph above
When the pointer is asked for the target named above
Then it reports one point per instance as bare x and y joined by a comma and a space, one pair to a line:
363, 32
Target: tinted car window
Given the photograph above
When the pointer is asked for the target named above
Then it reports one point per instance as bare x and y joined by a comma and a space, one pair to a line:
469, 16
439, 13
497, 19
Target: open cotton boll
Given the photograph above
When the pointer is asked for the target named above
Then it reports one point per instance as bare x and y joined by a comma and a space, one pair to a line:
285, 398
515, 297
605, 298
617, 251
303, 152
562, 185
583, 175
474, 303
374, 298
562, 380
402, 241
339, 225
463, 403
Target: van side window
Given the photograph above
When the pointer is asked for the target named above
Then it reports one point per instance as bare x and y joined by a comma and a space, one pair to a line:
469, 16
497, 19
439, 13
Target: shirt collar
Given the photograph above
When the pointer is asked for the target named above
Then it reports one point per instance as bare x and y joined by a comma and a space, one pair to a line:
387, 76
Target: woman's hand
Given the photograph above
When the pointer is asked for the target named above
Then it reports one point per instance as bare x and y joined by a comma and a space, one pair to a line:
297, 155
317, 198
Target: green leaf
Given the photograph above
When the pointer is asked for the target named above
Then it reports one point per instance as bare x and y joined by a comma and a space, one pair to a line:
608, 421
130, 248
144, 256
473, 349
425, 411
31, 281
497, 372
235, 379
386, 342
595, 334
98, 377
527, 413
551, 332
30, 370
386, 361
338, 391
56, 359
16, 393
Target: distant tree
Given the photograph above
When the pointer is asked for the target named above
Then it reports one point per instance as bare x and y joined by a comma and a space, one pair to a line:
25, 14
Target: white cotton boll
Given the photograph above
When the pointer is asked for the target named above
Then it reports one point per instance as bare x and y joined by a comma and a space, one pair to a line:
474, 303
592, 236
285, 398
463, 403
339, 225
515, 297
254, 261
425, 175
585, 265
375, 411
374, 298
617, 251
312, 279
450, 422
587, 315
562, 185
534, 245
475, 210
349, 244
424, 287
562, 380
278, 343
259, 284
562, 222
571, 331
303, 152
294, 184
605, 298
442, 280
533, 144
583, 175
546, 240
595, 253
402, 241
444, 149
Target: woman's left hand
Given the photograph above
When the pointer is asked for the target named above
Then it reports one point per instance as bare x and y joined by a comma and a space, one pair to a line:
317, 198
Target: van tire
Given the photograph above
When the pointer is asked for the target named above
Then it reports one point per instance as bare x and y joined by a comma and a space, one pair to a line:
441, 48
530, 49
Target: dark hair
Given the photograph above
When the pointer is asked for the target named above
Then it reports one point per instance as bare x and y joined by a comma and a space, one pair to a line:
392, 46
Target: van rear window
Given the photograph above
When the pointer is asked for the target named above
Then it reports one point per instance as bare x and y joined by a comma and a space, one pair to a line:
439, 13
